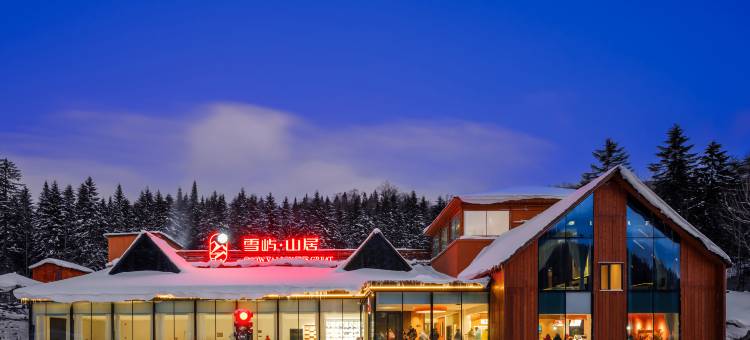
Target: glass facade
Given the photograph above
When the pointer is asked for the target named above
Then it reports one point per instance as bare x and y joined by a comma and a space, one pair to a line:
653, 277
92, 321
426, 315
565, 275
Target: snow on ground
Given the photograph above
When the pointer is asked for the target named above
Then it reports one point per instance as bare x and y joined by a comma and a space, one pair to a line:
13, 326
738, 314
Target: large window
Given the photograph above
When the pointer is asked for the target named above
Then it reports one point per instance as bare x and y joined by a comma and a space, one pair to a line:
486, 223
133, 320
51, 321
425, 315
174, 320
565, 275
91, 321
653, 276
214, 319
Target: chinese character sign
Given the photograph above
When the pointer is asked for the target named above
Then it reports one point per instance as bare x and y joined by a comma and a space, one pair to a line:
264, 244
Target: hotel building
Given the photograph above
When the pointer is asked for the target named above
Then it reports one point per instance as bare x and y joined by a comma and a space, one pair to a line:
607, 261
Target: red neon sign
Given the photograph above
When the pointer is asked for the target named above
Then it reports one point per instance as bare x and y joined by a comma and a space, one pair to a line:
217, 250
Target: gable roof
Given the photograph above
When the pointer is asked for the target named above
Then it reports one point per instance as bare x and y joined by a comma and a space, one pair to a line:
507, 244
149, 252
157, 233
61, 263
376, 252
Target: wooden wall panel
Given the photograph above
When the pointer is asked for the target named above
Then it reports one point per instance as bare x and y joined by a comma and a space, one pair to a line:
48, 273
497, 305
520, 303
459, 255
610, 308
703, 300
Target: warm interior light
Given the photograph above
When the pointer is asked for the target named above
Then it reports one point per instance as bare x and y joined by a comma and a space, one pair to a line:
222, 238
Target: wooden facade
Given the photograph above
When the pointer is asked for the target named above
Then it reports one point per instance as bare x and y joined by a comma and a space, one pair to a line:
459, 255
514, 287
49, 272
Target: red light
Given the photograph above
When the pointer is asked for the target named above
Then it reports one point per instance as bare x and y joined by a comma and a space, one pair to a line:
243, 316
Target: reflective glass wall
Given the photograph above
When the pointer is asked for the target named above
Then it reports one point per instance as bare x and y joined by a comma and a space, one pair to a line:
565, 275
434, 316
653, 277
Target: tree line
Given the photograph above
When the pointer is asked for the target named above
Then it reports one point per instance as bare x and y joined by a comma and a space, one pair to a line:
69, 224
709, 189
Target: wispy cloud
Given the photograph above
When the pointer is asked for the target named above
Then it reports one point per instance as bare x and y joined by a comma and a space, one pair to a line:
230, 145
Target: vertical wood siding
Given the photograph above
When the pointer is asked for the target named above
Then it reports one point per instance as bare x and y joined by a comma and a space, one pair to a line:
520, 303
703, 298
610, 308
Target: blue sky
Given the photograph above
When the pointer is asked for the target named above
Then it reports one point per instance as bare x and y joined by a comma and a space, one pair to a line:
441, 97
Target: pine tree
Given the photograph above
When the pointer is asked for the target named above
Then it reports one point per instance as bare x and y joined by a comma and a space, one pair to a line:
10, 186
69, 225
21, 231
88, 236
608, 157
179, 218
48, 224
716, 175
674, 174
194, 207
121, 212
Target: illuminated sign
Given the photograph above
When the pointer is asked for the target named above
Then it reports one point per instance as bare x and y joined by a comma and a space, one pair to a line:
267, 249
218, 247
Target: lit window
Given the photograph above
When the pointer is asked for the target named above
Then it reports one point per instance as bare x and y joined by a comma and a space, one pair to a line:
611, 276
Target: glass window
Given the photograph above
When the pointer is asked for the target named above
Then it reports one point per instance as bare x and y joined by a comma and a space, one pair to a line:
388, 320
265, 324
565, 275
611, 276
308, 319
51, 321
289, 320
91, 321
341, 319
667, 264
455, 226
475, 317
552, 260
174, 320
416, 313
654, 276
641, 263
446, 310
443, 238
498, 222
214, 319
435, 246
475, 223
133, 320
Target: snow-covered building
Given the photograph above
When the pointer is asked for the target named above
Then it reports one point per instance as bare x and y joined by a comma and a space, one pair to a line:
11, 281
607, 261
51, 269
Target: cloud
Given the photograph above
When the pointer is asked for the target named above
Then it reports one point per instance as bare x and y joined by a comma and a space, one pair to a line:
225, 146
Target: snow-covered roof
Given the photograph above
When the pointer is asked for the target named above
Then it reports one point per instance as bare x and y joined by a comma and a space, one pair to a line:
510, 242
12, 280
167, 236
61, 263
514, 194
245, 282
224, 283
173, 260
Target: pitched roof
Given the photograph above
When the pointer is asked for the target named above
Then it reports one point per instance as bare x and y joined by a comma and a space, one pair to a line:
61, 263
167, 236
376, 252
149, 252
507, 244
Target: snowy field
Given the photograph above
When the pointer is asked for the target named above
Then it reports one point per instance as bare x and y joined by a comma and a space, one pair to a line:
13, 326
738, 314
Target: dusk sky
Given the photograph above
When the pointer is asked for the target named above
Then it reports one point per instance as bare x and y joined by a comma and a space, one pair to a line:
293, 97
